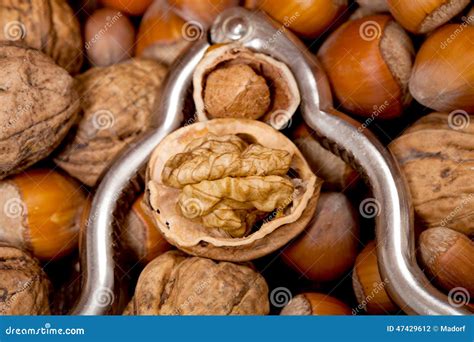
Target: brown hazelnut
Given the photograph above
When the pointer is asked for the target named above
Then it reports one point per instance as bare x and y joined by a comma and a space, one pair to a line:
109, 36
236, 91
230, 189
202, 11
315, 304
133, 7
24, 287
117, 107
327, 248
368, 62
45, 25
425, 16
443, 75
35, 115
40, 211
233, 81
309, 18
337, 175
447, 256
140, 235
174, 284
368, 285
436, 155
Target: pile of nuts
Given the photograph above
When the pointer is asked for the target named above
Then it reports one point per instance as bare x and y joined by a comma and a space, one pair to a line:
242, 210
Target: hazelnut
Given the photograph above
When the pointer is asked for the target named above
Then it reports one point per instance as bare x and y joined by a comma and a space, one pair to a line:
35, 115
109, 36
443, 75
368, 285
435, 155
327, 248
140, 235
40, 213
236, 91
24, 287
230, 189
368, 62
315, 304
174, 284
233, 81
117, 107
203, 11
447, 256
309, 18
337, 175
425, 16
133, 7
169, 27
46, 25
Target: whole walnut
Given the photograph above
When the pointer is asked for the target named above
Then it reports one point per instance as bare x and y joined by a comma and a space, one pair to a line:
437, 157
38, 106
117, 107
46, 25
24, 287
175, 284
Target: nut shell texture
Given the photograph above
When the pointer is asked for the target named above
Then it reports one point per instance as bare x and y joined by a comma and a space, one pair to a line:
36, 113
117, 107
46, 25
174, 284
23, 284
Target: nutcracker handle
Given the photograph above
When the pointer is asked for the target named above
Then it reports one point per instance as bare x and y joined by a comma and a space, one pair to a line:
404, 280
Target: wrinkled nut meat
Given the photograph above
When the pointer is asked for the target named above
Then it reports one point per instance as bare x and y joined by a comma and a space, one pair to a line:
46, 25
36, 113
174, 284
436, 155
233, 82
230, 189
24, 287
117, 107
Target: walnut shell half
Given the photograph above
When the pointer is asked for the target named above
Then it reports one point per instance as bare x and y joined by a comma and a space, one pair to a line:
46, 25
277, 227
24, 287
437, 157
232, 81
175, 284
117, 107
39, 105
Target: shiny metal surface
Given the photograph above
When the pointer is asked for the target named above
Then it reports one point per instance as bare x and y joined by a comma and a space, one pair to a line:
405, 282
98, 261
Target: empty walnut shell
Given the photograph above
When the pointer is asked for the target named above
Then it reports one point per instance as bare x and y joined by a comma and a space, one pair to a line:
276, 228
24, 287
117, 107
46, 25
437, 157
175, 284
36, 113
237, 93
